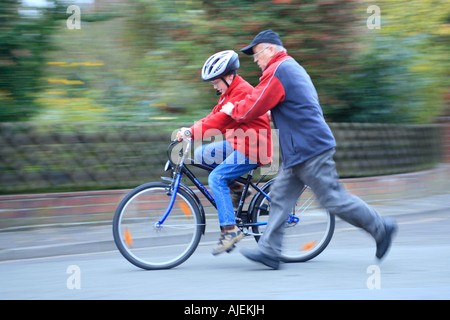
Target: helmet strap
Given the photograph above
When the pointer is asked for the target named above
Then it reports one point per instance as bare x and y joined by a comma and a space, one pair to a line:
234, 76
223, 79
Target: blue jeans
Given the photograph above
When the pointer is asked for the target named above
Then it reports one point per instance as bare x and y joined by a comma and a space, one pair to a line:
229, 164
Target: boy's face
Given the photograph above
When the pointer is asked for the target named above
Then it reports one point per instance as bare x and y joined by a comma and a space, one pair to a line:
220, 85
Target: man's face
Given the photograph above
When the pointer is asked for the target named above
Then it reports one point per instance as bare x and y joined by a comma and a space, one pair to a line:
262, 53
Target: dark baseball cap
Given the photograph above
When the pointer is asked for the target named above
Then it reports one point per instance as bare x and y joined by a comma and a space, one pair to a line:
266, 36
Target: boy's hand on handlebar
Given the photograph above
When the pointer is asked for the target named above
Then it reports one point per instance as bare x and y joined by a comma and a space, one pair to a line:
184, 133
227, 108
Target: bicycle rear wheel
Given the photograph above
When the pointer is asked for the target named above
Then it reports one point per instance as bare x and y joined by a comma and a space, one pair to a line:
146, 244
308, 230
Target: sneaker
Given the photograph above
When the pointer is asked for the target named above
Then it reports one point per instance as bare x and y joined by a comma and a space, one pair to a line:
227, 241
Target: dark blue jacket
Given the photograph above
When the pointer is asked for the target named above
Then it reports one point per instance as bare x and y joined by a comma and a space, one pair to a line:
287, 90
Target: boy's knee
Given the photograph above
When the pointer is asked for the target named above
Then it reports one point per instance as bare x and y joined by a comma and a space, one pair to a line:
213, 179
216, 179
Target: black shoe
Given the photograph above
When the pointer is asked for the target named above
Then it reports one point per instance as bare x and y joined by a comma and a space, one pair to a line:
383, 245
258, 256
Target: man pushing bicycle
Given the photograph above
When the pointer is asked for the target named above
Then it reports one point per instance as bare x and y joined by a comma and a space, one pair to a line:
246, 145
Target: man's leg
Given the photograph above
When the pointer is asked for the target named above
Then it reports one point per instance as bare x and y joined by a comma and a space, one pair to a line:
320, 174
284, 193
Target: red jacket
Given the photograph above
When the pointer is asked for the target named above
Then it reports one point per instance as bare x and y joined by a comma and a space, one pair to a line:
253, 138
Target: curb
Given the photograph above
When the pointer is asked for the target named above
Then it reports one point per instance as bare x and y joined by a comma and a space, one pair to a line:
102, 239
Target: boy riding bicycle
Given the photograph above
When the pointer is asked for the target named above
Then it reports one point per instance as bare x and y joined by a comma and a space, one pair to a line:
246, 145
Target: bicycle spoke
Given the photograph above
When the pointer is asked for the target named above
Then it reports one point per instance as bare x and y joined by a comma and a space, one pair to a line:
308, 230
141, 236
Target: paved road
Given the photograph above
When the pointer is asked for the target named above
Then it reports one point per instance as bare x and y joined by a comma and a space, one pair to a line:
416, 268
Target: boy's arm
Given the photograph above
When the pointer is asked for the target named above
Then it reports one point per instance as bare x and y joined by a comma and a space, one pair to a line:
213, 125
216, 122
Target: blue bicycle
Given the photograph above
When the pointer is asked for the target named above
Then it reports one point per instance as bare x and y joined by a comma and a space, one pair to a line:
159, 225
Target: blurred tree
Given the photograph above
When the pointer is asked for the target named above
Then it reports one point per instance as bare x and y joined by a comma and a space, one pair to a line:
168, 52
153, 52
408, 56
185, 33
369, 91
398, 73
24, 42
316, 33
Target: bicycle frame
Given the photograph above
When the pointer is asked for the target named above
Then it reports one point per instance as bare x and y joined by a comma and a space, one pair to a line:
180, 169
142, 241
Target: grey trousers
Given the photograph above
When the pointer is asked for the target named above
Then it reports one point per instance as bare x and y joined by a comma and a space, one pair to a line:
320, 174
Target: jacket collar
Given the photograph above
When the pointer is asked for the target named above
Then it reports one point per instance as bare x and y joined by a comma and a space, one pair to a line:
236, 81
277, 57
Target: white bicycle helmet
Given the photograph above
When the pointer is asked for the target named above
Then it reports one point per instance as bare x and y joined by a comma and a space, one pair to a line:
219, 65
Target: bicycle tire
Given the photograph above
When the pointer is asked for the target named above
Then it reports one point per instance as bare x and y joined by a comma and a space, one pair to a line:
313, 231
148, 246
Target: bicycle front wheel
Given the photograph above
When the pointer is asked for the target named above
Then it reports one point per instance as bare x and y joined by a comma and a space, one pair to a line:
309, 228
145, 243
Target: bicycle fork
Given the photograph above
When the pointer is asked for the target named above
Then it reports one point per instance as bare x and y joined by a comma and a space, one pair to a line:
175, 185
174, 190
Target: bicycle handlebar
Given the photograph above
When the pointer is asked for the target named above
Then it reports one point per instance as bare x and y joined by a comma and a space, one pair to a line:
187, 134
182, 154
